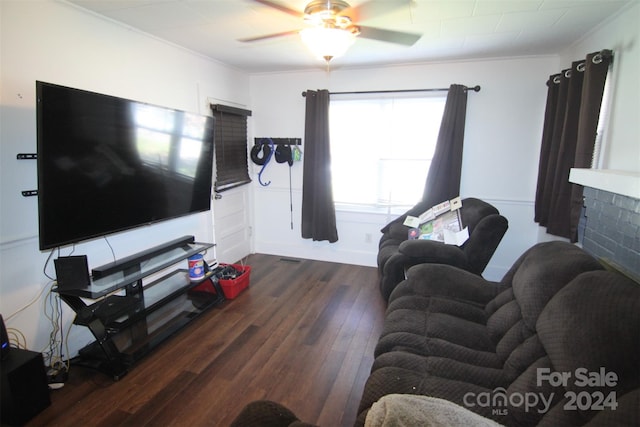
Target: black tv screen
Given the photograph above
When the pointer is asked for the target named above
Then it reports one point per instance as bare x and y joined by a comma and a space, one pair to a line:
108, 164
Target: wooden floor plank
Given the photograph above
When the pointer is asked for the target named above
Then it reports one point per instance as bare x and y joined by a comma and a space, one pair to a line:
302, 334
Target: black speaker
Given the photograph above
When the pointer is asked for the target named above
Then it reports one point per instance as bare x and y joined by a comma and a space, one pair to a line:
72, 272
24, 391
4, 340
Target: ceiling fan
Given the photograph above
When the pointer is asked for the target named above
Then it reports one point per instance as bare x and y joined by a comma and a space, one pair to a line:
331, 25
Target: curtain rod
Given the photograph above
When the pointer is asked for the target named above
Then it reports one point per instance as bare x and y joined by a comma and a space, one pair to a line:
475, 88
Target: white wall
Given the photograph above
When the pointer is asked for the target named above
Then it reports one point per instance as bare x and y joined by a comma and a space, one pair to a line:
622, 35
502, 140
55, 42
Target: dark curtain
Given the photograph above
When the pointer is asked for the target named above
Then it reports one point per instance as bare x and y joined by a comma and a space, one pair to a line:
565, 142
318, 210
571, 118
596, 69
545, 162
443, 179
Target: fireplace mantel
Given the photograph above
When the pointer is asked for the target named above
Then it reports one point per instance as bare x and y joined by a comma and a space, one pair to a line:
626, 183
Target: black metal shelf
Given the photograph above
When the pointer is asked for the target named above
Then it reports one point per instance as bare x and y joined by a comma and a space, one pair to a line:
128, 326
134, 270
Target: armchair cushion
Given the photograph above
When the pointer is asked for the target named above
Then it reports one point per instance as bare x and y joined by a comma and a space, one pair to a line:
433, 252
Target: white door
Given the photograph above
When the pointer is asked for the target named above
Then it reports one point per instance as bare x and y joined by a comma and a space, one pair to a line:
232, 224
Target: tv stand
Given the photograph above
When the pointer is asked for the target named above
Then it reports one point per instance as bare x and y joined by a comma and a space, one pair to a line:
129, 318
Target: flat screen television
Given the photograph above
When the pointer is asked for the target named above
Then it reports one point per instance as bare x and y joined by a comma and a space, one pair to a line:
108, 164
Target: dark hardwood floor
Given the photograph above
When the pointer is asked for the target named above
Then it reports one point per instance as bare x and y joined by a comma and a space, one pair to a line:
303, 335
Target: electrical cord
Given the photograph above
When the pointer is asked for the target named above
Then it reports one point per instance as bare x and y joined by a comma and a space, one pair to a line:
56, 351
53, 353
15, 313
57, 348
46, 263
110, 247
16, 338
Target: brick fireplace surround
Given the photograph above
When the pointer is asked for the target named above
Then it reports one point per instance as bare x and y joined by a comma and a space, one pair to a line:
610, 229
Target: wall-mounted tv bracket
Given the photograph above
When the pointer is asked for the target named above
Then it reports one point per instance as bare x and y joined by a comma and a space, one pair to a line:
28, 156
280, 141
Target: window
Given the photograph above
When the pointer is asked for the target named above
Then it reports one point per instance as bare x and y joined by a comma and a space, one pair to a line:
597, 159
232, 168
169, 140
381, 148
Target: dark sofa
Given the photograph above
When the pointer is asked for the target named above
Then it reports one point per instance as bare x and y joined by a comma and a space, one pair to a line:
452, 335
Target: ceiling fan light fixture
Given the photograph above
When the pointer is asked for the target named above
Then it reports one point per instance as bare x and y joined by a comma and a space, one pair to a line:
328, 43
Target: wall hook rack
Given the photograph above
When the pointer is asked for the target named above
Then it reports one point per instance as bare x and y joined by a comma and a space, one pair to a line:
279, 141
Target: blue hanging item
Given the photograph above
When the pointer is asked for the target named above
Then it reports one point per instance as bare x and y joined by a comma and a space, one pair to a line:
267, 147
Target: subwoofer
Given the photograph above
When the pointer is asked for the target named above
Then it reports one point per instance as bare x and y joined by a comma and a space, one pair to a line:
24, 390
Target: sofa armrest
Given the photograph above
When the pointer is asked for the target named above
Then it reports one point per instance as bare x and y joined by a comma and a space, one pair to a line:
484, 240
429, 251
399, 232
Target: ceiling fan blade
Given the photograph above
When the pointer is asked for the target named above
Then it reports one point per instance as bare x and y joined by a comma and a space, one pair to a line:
398, 37
372, 9
281, 8
268, 36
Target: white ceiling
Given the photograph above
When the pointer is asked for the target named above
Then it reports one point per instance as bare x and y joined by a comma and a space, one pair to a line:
452, 29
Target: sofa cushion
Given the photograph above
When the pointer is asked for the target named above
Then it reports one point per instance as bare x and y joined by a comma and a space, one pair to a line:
591, 330
501, 299
523, 412
539, 277
524, 355
427, 280
545, 269
464, 309
421, 345
503, 320
438, 325
443, 367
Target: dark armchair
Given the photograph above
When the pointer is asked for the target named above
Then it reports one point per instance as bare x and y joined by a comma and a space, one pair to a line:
396, 253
